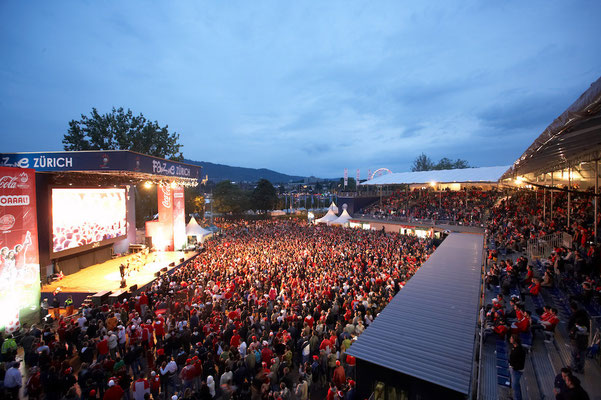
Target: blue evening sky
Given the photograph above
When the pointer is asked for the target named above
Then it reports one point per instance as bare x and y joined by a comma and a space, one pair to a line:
306, 88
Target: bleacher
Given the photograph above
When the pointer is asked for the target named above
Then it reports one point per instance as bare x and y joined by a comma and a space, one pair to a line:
545, 357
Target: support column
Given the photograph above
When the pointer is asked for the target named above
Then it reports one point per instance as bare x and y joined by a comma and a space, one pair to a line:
569, 195
596, 195
551, 205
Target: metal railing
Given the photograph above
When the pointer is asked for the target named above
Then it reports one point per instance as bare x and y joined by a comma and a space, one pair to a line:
543, 247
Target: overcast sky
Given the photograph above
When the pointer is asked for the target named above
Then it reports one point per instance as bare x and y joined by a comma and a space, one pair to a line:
305, 88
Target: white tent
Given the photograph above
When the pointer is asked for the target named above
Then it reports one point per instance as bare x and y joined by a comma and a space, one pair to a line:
328, 218
193, 229
333, 207
344, 217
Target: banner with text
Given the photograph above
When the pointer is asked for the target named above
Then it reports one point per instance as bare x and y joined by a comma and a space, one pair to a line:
19, 257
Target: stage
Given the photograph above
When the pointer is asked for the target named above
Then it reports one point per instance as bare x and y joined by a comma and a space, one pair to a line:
106, 276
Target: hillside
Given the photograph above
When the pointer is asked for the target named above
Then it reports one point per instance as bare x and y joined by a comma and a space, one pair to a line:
220, 172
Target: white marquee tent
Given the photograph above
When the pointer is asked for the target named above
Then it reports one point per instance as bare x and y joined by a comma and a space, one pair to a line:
328, 218
344, 218
193, 229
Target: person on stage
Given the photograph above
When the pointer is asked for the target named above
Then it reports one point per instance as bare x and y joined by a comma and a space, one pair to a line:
122, 271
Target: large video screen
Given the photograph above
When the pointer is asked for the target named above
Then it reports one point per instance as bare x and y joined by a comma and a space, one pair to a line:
82, 217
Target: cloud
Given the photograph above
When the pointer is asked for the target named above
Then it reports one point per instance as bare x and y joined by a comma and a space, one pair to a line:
303, 89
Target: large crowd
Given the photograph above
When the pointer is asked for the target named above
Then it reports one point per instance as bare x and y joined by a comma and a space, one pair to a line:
266, 312
269, 309
463, 206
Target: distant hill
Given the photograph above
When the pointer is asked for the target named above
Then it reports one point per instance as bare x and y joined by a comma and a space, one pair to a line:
220, 172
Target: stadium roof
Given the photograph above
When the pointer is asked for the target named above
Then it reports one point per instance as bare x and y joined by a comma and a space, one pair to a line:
572, 138
483, 174
427, 330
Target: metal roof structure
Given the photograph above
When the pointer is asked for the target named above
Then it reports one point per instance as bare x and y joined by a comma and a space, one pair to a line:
465, 175
428, 330
572, 138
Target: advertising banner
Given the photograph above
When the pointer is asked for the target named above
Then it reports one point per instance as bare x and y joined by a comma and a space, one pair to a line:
19, 257
345, 177
164, 240
99, 160
179, 218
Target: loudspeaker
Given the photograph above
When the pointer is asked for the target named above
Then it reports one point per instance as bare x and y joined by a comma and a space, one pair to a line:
157, 274
172, 264
120, 296
133, 288
164, 269
101, 297
182, 260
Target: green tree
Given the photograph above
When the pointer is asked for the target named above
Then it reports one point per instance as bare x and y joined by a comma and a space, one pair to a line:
195, 201
422, 163
444, 163
229, 198
460, 164
121, 130
264, 197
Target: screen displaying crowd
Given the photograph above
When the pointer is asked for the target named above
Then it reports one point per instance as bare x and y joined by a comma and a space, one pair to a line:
86, 216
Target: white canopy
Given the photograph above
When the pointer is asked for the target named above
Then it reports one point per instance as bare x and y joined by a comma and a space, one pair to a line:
344, 217
483, 174
193, 229
333, 207
328, 218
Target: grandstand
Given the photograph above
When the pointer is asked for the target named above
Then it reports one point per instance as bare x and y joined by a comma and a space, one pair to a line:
541, 219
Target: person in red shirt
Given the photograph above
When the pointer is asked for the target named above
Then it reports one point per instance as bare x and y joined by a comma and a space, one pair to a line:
235, 340
155, 384
103, 348
159, 327
339, 377
114, 392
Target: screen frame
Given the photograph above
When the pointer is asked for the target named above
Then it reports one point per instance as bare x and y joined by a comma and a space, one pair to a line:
91, 246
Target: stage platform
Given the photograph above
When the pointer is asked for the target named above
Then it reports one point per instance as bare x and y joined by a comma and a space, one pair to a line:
106, 276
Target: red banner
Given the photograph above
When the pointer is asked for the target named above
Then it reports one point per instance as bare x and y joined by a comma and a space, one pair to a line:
165, 199
19, 257
179, 218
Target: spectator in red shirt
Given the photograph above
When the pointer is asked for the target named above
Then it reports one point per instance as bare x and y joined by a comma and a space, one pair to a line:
114, 392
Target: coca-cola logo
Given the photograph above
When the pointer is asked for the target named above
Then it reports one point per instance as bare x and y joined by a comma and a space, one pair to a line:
7, 221
166, 189
8, 182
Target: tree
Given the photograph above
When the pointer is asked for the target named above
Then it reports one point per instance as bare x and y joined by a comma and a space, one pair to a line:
460, 164
195, 201
422, 163
264, 197
229, 198
444, 163
121, 130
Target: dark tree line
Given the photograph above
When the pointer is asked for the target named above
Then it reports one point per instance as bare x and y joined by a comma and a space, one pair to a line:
425, 163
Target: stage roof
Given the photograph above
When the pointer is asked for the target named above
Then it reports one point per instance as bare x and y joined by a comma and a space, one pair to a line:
465, 175
107, 162
427, 330
572, 138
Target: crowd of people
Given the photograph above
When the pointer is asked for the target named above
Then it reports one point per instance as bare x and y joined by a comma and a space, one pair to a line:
269, 309
266, 312
462, 206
